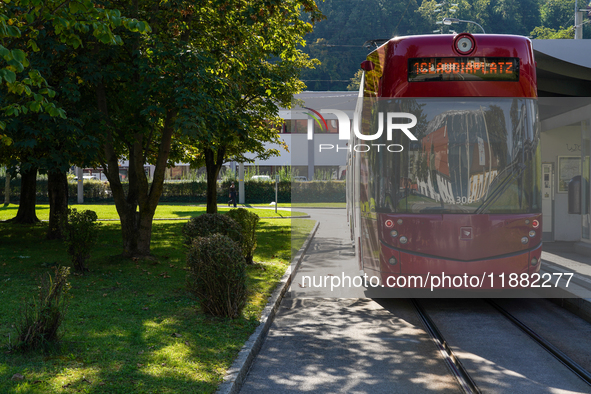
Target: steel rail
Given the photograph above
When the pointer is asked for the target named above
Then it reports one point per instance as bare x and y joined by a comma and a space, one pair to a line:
452, 362
553, 350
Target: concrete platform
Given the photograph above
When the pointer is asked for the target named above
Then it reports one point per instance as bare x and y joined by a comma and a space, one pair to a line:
566, 258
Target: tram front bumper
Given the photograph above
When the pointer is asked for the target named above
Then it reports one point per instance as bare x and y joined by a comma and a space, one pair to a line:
418, 271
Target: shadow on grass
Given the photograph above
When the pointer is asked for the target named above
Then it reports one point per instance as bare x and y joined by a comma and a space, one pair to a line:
131, 326
165, 346
14, 207
187, 214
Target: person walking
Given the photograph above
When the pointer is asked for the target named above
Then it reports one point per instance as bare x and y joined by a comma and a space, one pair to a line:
232, 195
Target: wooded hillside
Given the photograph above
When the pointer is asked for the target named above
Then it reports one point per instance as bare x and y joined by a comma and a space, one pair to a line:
338, 41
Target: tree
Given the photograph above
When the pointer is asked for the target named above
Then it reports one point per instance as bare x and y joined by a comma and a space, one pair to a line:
30, 109
21, 22
558, 14
338, 41
157, 90
546, 33
261, 74
557, 20
355, 81
498, 17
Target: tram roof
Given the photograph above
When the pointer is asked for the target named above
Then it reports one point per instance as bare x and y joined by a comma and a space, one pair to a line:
563, 67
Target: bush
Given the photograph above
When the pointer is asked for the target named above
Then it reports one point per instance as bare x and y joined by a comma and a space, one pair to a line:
41, 318
93, 190
248, 221
318, 191
217, 275
196, 191
80, 235
212, 223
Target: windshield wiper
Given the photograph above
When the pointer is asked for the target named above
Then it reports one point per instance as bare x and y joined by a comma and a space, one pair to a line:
501, 187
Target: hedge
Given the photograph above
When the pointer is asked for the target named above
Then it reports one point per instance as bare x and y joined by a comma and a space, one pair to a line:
94, 191
195, 192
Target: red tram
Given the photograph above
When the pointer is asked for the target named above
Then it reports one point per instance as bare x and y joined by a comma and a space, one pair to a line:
463, 196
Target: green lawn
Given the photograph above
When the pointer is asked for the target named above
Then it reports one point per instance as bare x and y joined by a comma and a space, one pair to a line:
131, 326
164, 211
300, 230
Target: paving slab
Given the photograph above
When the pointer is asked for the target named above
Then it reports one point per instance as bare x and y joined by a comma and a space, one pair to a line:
337, 341
348, 346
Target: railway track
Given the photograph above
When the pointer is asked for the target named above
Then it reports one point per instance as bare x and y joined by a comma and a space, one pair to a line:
463, 376
453, 363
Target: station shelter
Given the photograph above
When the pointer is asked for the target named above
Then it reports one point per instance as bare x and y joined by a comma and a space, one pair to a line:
564, 91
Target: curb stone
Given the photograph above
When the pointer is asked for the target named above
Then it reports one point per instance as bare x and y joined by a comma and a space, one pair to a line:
236, 375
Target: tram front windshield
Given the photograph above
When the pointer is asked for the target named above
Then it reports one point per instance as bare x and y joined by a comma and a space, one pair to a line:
471, 156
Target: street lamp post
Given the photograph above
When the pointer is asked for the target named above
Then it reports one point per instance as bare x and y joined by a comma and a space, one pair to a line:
579, 15
449, 21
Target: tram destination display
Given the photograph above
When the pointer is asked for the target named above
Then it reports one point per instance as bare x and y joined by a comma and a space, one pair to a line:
463, 69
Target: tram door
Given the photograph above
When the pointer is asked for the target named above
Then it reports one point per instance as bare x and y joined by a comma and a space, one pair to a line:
547, 202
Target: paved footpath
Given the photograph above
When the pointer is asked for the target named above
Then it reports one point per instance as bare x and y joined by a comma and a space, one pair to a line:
344, 345
341, 341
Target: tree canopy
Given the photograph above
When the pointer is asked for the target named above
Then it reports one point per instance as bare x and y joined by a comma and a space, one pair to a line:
199, 84
23, 23
205, 79
259, 74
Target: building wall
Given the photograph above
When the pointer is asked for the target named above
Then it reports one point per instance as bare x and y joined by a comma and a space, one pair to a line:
562, 141
299, 152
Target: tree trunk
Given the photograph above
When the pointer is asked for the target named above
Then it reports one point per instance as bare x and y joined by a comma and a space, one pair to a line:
145, 231
129, 228
136, 230
57, 190
26, 207
136, 224
213, 164
7, 188
212, 176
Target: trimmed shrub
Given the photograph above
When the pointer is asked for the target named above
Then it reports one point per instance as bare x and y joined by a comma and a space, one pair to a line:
248, 221
80, 235
42, 316
217, 275
212, 223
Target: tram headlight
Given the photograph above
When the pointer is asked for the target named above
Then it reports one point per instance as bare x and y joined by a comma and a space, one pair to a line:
394, 233
403, 240
524, 240
392, 260
534, 261
399, 221
532, 234
535, 223
464, 45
